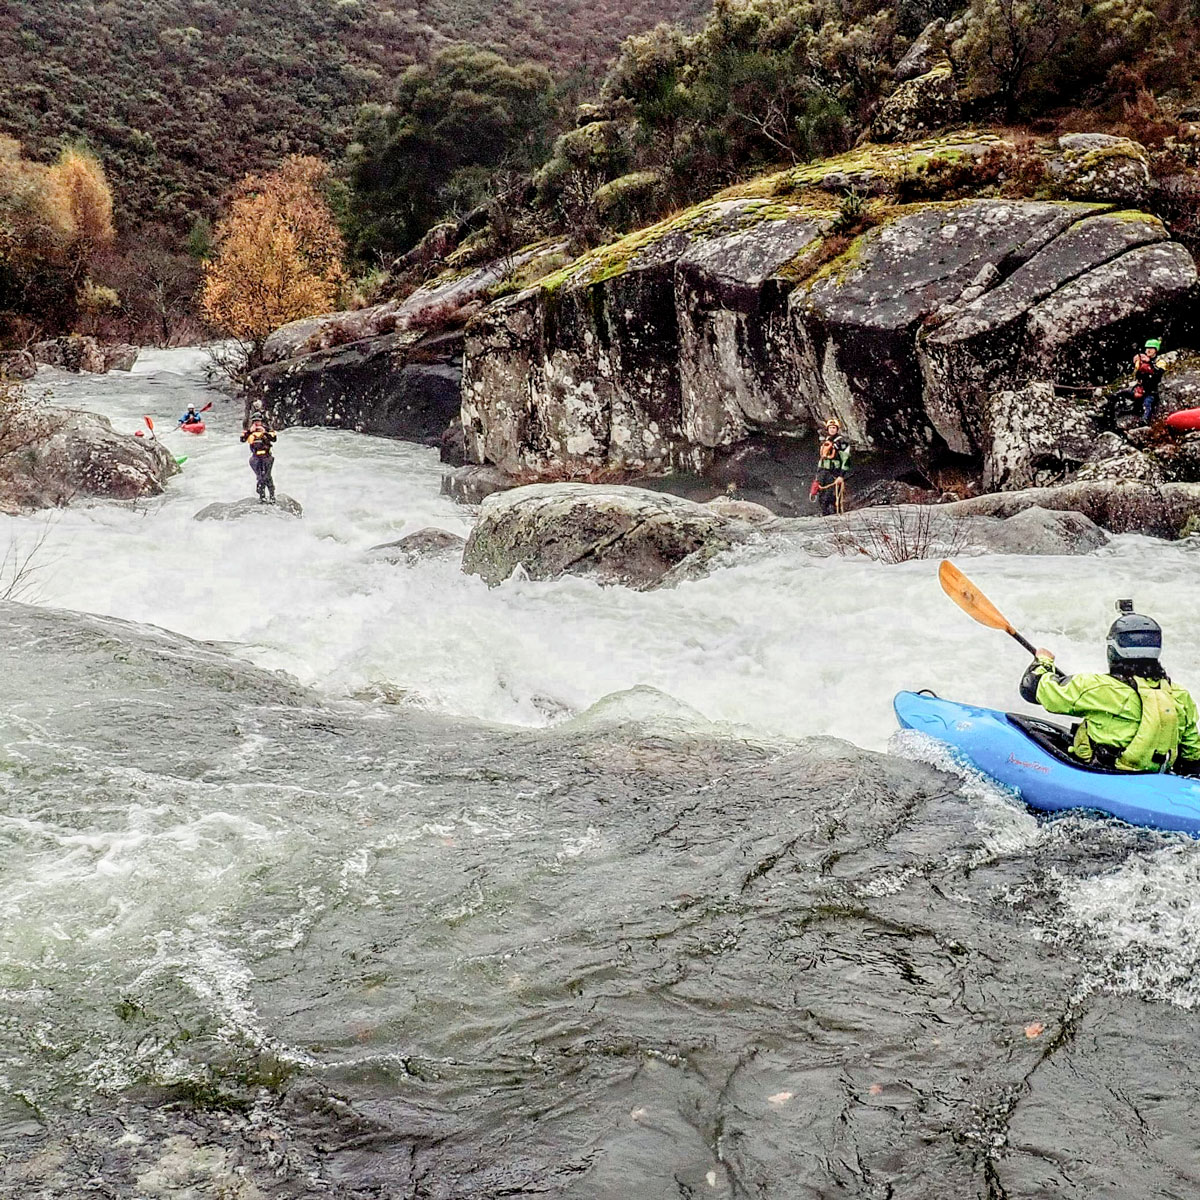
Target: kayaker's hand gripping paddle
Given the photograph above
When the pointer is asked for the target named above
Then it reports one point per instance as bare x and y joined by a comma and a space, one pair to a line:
975, 604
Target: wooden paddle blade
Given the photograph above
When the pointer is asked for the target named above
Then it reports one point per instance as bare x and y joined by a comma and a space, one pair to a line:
972, 601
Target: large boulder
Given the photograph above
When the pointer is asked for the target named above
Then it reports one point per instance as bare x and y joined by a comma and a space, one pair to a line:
394, 369
120, 356
1113, 458
425, 543
395, 385
1071, 310
63, 454
1038, 437
615, 535
17, 365
927, 52
1162, 510
70, 352
748, 318
918, 105
250, 506
902, 532
1099, 166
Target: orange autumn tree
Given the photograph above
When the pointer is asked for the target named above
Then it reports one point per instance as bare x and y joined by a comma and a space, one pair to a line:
278, 255
81, 190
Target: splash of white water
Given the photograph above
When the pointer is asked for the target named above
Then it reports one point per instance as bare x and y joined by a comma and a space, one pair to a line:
784, 643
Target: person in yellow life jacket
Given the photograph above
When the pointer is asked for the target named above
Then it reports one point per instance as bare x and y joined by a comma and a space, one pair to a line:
1132, 719
260, 440
833, 464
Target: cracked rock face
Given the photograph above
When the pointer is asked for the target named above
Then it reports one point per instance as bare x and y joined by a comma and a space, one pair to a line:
1038, 438
701, 336
620, 535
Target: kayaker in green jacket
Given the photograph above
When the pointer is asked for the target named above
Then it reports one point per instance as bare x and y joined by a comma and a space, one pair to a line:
1134, 718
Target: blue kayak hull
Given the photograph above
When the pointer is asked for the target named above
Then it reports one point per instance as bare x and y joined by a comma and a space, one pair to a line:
992, 743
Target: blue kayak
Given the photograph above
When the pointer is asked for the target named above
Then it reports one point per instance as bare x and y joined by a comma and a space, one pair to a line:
1029, 756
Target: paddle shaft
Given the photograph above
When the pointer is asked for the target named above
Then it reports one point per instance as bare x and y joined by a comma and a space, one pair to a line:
1012, 633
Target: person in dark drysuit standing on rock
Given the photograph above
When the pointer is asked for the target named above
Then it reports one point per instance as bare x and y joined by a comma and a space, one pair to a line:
260, 440
1134, 718
833, 464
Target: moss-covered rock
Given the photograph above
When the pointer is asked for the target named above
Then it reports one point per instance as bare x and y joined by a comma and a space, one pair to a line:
630, 199
1097, 166
918, 105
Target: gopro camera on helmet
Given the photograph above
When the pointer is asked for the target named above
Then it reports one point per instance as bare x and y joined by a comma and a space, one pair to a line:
1125, 606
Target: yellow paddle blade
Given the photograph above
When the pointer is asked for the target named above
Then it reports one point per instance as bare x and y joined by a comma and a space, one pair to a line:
972, 601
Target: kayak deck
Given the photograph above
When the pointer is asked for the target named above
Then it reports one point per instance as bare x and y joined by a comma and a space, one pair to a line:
1028, 757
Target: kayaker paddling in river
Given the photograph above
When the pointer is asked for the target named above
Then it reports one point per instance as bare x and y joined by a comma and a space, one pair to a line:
260, 440
1133, 718
833, 463
191, 417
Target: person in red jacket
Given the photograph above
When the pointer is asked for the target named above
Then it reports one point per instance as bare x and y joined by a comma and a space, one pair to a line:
1147, 375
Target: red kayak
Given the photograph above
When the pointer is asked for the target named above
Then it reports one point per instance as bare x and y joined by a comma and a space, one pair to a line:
193, 427
1188, 418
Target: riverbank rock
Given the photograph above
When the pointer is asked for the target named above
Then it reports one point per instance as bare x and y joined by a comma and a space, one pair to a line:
1038, 437
121, 357
394, 369
740, 319
78, 354
925, 53
425, 543
400, 385
251, 506
17, 365
741, 510
615, 535
1099, 166
56, 454
1162, 510
903, 532
473, 484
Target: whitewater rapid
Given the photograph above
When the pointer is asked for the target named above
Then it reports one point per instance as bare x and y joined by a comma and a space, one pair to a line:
782, 643
535, 932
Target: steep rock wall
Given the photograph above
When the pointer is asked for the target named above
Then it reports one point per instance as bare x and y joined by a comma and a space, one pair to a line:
744, 316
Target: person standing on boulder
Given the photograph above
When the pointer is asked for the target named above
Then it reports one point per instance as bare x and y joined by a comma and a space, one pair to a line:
833, 464
1147, 375
260, 440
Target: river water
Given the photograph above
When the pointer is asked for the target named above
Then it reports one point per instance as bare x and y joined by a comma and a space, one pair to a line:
329, 876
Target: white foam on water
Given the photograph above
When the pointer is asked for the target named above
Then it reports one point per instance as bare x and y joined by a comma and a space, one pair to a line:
1141, 924
781, 643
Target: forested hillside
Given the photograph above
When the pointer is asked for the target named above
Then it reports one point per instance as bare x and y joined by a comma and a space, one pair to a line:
180, 97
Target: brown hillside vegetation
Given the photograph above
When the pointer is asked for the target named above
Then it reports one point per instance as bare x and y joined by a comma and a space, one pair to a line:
180, 97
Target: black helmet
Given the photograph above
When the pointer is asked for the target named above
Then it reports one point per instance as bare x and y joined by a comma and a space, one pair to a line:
1133, 638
